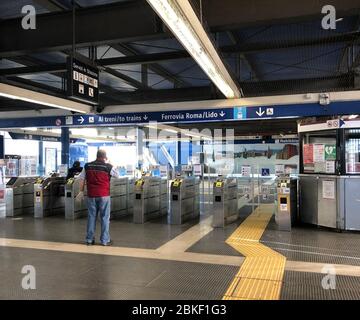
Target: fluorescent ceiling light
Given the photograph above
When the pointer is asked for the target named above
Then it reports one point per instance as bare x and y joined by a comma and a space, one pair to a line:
181, 19
353, 116
29, 129
13, 92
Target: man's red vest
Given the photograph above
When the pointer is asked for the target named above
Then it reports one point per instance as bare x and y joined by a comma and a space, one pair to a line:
98, 179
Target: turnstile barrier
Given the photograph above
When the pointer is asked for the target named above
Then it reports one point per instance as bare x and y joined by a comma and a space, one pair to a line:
49, 196
74, 208
184, 199
286, 212
225, 202
150, 198
20, 196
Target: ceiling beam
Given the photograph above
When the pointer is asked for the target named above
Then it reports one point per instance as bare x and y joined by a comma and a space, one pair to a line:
161, 71
122, 22
250, 89
238, 48
50, 68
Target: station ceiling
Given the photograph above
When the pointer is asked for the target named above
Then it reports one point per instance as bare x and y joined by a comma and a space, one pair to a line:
270, 47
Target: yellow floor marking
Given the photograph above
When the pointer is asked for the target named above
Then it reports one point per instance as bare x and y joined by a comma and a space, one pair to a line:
260, 276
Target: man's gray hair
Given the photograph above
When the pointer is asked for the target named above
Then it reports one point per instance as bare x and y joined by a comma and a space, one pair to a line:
101, 154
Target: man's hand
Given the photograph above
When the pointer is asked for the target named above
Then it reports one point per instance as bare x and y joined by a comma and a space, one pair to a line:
80, 196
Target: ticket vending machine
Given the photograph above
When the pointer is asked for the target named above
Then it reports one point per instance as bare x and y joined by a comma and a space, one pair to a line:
225, 202
286, 212
184, 199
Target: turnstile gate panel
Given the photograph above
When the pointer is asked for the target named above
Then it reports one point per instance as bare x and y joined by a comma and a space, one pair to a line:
150, 198
49, 196
74, 208
184, 199
118, 194
121, 201
225, 202
286, 212
20, 196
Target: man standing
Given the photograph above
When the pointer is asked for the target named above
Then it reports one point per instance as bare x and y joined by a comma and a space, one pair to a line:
97, 175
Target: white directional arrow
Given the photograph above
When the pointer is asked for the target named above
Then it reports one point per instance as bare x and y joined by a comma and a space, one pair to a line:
260, 112
222, 113
81, 120
145, 117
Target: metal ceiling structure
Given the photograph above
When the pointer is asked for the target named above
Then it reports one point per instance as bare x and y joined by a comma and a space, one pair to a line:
271, 48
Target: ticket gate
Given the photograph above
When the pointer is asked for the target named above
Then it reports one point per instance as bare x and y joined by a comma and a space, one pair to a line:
20, 196
225, 202
286, 209
118, 194
130, 195
150, 198
184, 199
49, 196
74, 208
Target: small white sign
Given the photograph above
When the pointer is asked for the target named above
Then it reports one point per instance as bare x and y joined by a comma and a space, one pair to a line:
69, 120
129, 170
81, 89
319, 153
246, 171
91, 119
76, 76
328, 189
197, 170
330, 166
283, 207
270, 111
279, 169
163, 171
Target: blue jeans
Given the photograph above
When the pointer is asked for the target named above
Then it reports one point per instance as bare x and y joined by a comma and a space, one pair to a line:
98, 205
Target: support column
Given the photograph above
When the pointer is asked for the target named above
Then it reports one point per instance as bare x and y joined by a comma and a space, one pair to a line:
65, 145
190, 147
178, 150
41, 168
2, 147
139, 148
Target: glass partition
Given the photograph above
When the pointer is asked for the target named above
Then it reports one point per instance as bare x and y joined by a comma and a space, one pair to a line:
319, 152
352, 151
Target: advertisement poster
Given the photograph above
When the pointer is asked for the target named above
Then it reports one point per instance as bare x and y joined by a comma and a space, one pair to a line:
308, 155
319, 153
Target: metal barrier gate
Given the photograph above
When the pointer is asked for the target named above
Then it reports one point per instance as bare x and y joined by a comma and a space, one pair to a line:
225, 202
74, 208
20, 196
121, 193
151, 198
184, 199
49, 196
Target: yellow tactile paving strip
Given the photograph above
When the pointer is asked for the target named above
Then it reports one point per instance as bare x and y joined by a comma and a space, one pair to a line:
260, 276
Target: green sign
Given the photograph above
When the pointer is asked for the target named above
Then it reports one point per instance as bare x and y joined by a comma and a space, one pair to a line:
330, 152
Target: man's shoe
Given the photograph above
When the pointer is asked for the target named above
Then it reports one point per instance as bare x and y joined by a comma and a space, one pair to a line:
107, 244
90, 243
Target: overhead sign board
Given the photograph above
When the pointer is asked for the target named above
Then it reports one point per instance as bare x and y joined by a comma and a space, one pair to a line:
188, 116
83, 81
